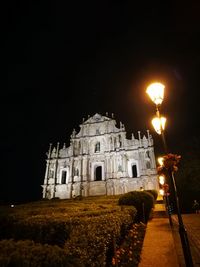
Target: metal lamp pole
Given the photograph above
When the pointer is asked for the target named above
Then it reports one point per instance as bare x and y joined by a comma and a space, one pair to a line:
156, 93
182, 230
162, 133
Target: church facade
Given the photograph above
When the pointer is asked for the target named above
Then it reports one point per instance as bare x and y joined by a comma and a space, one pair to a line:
100, 161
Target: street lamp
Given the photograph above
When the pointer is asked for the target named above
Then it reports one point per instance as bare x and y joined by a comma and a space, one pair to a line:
165, 188
156, 93
161, 179
161, 191
159, 124
160, 161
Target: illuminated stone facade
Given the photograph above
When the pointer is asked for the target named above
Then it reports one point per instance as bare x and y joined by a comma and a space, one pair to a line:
100, 161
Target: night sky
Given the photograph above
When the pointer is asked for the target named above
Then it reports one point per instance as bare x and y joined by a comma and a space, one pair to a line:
62, 62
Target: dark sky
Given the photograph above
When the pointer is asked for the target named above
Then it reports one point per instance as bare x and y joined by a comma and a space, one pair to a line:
62, 62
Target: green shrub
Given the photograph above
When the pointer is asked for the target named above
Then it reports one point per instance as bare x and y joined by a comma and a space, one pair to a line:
29, 254
141, 200
153, 192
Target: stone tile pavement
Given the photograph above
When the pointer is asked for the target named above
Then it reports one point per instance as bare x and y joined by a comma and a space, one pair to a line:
192, 225
158, 247
162, 246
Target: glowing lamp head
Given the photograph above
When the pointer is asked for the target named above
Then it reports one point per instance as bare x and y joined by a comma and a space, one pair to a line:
159, 124
161, 179
161, 191
156, 92
160, 161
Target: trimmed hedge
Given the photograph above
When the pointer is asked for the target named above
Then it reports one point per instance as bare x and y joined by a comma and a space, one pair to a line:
153, 192
92, 239
88, 233
26, 253
142, 201
56, 230
45, 230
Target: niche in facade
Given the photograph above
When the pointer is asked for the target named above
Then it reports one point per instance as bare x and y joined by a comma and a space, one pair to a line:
97, 147
64, 177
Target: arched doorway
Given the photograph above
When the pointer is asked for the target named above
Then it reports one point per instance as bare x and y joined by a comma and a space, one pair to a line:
98, 173
134, 171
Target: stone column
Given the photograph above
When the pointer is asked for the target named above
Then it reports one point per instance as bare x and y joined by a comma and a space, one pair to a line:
46, 179
55, 170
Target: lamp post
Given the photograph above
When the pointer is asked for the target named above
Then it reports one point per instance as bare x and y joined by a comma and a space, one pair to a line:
156, 93
165, 188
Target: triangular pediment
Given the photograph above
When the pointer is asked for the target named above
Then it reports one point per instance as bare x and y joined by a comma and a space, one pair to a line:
97, 118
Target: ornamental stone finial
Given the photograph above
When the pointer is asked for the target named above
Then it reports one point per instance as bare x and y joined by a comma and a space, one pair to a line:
53, 153
148, 136
139, 137
49, 153
57, 149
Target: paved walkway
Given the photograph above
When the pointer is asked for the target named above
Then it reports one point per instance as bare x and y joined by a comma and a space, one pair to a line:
158, 247
162, 246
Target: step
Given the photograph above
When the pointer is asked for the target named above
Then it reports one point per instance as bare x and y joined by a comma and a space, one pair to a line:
160, 214
159, 201
160, 207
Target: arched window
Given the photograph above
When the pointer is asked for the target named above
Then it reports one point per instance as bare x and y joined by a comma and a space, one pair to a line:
134, 171
98, 173
97, 147
64, 177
